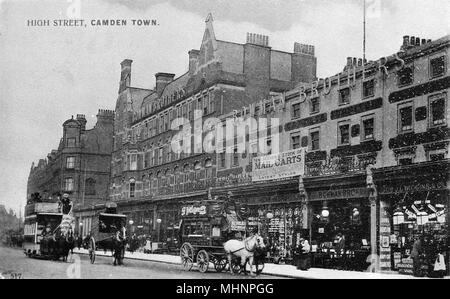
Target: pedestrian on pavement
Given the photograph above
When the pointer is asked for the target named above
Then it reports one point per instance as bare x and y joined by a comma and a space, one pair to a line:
416, 257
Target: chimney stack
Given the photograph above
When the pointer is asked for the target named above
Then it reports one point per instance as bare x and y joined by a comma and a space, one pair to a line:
162, 79
258, 39
81, 118
125, 74
193, 58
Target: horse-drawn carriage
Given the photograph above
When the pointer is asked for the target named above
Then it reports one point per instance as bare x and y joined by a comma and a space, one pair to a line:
43, 236
207, 231
108, 233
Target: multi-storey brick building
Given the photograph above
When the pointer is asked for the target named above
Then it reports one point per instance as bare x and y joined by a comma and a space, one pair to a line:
149, 180
376, 139
80, 166
377, 164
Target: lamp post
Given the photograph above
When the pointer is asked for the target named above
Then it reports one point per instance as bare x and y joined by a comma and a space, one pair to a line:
158, 221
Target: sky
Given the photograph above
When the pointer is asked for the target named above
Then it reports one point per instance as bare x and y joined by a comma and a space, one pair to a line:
48, 74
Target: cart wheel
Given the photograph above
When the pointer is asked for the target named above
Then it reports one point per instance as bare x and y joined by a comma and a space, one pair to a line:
202, 261
92, 250
236, 266
187, 256
220, 264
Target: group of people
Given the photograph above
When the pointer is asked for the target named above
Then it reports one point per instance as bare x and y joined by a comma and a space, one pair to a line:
428, 257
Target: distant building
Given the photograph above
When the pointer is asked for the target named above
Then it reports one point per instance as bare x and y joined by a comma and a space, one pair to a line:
80, 166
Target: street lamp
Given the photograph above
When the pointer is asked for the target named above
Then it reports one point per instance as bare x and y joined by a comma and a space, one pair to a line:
325, 211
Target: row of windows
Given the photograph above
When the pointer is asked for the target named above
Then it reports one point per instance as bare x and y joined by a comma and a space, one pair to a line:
204, 103
89, 187
344, 134
437, 68
344, 99
176, 177
436, 113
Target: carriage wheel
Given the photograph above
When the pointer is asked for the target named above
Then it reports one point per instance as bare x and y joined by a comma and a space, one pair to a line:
187, 256
236, 266
202, 261
92, 248
220, 264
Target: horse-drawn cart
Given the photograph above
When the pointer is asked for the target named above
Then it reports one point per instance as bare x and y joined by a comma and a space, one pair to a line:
205, 227
107, 233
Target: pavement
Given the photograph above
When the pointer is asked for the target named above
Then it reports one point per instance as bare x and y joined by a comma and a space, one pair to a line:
278, 270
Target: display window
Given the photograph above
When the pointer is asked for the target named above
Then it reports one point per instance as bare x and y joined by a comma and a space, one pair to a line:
340, 234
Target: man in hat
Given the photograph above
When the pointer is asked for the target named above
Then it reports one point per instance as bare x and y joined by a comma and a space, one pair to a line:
66, 204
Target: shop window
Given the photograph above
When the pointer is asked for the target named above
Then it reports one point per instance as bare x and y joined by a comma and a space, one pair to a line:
405, 76
315, 105
437, 67
437, 110
70, 162
344, 134
68, 184
369, 88
315, 140
296, 110
344, 96
90, 186
295, 142
405, 116
368, 125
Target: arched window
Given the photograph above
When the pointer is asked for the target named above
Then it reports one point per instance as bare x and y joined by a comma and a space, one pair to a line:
186, 173
167, 177
197, 168
176, 175
90, 186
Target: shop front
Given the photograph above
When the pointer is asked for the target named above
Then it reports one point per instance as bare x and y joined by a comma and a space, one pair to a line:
340, 227
416, 206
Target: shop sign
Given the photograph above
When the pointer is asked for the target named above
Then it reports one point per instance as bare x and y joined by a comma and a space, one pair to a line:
336, 165
279, 166
238, 226
193, 210
387, 189
338, 194
406, 267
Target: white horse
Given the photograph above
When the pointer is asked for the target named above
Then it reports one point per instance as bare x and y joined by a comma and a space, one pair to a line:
243, 249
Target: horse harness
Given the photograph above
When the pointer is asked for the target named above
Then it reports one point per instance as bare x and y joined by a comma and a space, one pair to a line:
245, 247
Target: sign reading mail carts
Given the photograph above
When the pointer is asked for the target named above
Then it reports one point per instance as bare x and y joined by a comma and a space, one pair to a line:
279, 166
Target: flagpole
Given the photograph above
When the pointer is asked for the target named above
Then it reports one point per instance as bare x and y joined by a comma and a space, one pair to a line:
364, 33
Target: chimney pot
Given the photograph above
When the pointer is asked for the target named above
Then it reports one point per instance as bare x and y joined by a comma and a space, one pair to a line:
417, 41
429, 41
349, 61
413, 40
355, 61
360, 62
406, 40
424, 41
